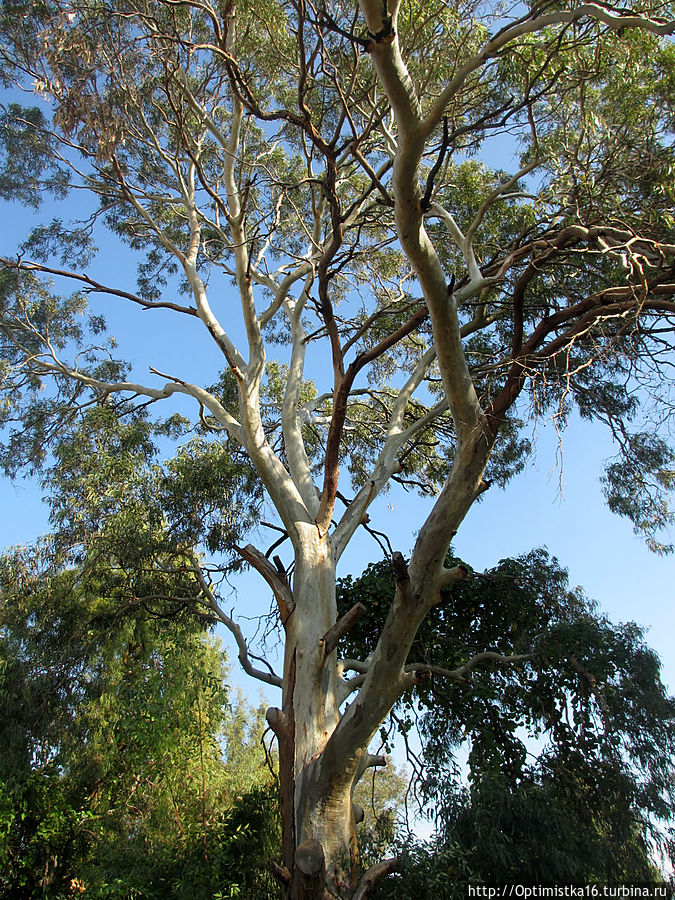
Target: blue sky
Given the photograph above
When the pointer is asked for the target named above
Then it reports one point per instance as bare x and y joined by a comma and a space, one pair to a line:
557, 502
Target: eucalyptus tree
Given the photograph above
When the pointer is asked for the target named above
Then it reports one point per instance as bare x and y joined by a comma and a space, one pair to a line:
300, 185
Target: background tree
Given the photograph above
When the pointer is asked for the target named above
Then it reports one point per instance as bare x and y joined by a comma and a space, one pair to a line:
298, 178
125, 769
570, 755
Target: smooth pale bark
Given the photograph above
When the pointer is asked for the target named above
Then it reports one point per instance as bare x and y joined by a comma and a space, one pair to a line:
319, 836
328, 750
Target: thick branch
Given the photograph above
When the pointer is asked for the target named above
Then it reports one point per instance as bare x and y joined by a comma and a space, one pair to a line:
421, 670
369, 761
609, 303
296, 453
531, 24
335, 634
276, 581
387, 463
494, 657
340, 412
372, 876
463, 401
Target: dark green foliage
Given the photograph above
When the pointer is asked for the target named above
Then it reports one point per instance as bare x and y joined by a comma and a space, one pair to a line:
574, 306
115, 749
28, 168
570, 819
71, 247
37, 322
565, 823
428, 871
571, 753
634, 484
125, 769
109, 490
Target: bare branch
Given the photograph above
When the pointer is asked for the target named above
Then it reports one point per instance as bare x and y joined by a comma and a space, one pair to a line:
335, 634
95, 286
276, 581
235, 630
104, 388
419, 671
494, 657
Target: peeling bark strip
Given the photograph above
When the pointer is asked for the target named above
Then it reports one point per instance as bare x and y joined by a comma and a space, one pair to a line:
285, 722
400, 568
95, 286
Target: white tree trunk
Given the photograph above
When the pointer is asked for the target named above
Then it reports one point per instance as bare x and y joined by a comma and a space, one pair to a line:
319, 836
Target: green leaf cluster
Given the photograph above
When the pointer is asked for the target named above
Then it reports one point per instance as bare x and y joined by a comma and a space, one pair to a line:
570, 751
127, 769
